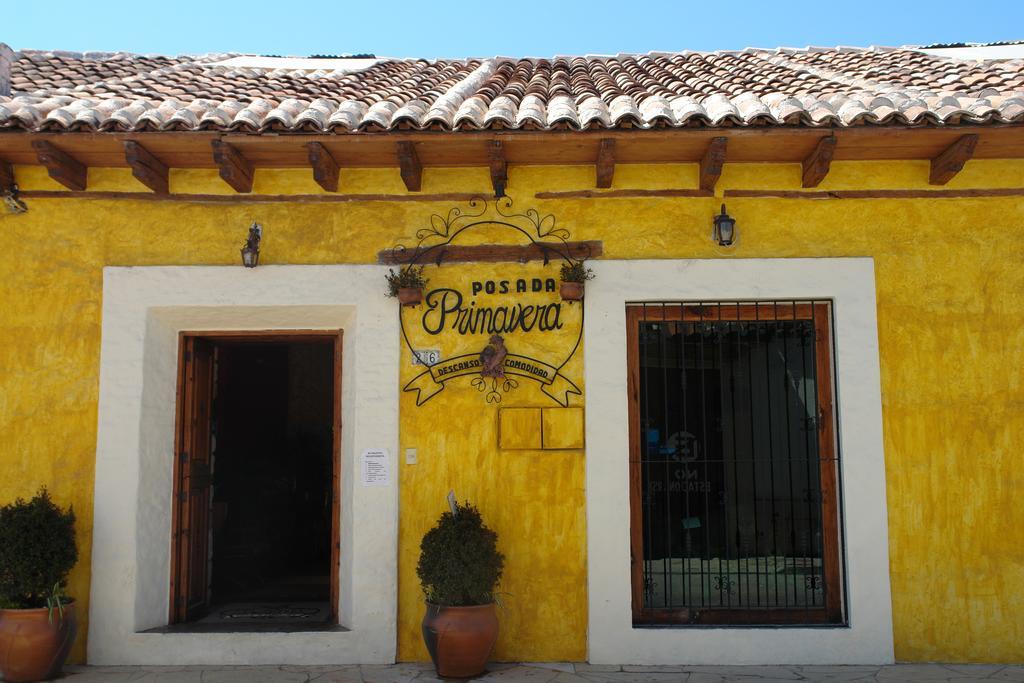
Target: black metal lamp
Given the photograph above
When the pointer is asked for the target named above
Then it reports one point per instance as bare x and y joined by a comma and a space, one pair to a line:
725, 229
12, 201
251, 250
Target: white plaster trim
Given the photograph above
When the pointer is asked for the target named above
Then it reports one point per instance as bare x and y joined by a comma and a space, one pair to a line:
144, 309
977, 52
342, 65
850, 283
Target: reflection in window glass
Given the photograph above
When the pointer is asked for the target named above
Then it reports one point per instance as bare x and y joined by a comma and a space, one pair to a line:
729, 460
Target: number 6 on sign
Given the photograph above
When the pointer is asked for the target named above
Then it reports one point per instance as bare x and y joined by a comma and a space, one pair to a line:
426, 357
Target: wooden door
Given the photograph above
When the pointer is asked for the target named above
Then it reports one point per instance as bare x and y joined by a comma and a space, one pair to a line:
191, 524
190, 570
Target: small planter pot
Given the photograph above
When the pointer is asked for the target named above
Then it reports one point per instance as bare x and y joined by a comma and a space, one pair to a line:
410, 296
460, 639
571, 291
32, 648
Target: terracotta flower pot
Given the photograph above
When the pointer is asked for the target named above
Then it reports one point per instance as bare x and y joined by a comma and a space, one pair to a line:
460, 639
32, 648
571, 291
410, 296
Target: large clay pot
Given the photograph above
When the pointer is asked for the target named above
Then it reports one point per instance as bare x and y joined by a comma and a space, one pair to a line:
460, 639
410, 296
31, 647
571, 291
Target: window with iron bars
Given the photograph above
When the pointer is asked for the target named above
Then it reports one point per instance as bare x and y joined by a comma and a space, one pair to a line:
734, 465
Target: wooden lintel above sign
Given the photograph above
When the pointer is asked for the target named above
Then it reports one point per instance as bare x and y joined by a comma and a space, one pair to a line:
146, 168
493, 253
234, 168
605, 162
817, 164
951, 160
61, 166
499, 167
711, 163
325, 168
410, 166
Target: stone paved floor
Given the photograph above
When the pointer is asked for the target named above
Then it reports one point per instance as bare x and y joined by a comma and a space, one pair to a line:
544, 673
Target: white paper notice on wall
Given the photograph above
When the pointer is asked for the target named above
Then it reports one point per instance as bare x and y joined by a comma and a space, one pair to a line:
374, 466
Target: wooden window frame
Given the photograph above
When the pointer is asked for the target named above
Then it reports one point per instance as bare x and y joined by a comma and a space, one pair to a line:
832, 613
177, 612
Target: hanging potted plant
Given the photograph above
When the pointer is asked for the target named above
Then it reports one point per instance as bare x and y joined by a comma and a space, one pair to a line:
407, 284
459, 569
37, 622
574, 275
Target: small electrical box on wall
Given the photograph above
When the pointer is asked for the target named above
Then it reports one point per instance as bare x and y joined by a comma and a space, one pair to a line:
540, 428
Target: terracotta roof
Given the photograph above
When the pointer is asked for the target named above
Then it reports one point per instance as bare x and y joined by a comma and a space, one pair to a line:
819, 87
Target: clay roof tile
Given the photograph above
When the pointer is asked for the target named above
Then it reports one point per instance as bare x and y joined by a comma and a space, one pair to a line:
58, 90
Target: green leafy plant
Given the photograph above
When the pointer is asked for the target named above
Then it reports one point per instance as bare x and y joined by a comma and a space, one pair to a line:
37, 551
576, 271
459, 560
410, 276
55, 601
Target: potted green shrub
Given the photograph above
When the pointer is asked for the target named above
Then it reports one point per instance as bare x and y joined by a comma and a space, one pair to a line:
459, 569
407, 284
37, 622
574, 275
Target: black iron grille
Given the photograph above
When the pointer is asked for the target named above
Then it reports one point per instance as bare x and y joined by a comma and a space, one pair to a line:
734, 463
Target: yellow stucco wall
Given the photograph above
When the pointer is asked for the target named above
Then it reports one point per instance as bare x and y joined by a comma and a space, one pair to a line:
949, 280
533, 498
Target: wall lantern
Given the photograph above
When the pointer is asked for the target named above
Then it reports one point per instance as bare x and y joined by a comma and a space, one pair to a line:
12, 201
251, 250
725, 229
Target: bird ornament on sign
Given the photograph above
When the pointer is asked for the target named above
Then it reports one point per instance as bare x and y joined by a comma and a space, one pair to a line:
492, 367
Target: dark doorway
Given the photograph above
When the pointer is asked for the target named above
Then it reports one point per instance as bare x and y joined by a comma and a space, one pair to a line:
256, 539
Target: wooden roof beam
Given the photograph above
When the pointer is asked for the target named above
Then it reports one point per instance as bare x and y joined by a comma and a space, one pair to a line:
499, 167
146, 168
61, 166
819, 161
711, 164
409, 163
234, 169
951, 160
325, 168
605, 162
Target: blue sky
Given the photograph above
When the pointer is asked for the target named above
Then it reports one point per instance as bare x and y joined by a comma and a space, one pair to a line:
459, 28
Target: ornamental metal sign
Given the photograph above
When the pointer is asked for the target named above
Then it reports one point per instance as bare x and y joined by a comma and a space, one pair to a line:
491, 321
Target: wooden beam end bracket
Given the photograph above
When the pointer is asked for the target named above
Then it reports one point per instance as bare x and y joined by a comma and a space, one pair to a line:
817, 164
605, 163
146, 168
951, 160
234, 168
498, 167
711, 164
61, 166
7, 184
325, 167
410, 166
